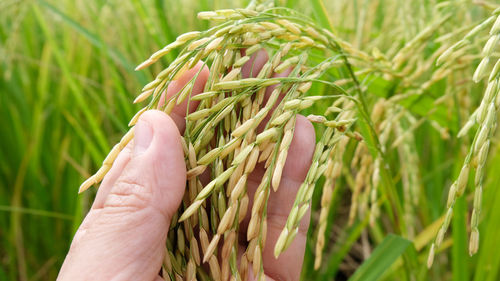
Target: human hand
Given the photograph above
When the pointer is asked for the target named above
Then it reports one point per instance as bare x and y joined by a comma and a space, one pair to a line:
124, 234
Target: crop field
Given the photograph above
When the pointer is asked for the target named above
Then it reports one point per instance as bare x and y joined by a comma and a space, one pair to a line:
403, 96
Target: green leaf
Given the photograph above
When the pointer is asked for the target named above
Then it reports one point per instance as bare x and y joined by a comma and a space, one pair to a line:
460, 242
423, 105
321, 14
382, 258
96, 41
343, 246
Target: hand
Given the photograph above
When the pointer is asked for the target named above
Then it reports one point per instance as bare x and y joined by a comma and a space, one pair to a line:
124, 234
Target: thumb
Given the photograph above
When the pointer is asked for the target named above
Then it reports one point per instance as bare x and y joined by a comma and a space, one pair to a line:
123, 236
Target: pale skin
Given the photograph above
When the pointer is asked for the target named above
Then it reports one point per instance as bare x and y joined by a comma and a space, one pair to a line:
123, 236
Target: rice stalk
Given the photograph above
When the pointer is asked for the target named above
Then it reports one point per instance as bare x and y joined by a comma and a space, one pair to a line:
486, 118
228, 134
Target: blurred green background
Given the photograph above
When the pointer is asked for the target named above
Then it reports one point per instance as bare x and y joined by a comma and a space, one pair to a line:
67, 83
66, 89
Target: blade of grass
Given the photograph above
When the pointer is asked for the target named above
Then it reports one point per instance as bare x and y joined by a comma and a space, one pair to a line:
97, 42
43, 213
343, 246
381, 259
460, 247
75, 89
488, 259
321, 14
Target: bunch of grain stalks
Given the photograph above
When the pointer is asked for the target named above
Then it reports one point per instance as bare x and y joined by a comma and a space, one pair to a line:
234, 127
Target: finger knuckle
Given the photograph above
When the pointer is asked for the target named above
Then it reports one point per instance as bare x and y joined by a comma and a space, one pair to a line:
128, 195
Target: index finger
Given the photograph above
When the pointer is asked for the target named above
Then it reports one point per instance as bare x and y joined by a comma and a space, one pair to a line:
178, 113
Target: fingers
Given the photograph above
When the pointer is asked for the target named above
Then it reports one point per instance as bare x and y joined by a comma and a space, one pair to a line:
269, 90
179, 111
253, 66
301, 150
288, 266
123, 236
178, 114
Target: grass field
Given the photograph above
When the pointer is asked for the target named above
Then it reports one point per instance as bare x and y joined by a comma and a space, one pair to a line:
67, 83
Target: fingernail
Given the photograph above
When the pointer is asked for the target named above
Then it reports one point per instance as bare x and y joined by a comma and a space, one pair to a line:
142, 137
